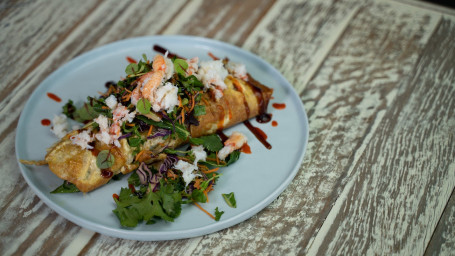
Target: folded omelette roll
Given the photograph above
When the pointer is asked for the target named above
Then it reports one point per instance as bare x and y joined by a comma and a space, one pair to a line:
241, 101
72, 163
78, 166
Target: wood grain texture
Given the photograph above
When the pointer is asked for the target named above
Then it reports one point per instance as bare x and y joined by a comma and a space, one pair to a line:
296, 36
405, 176
26, 220
376, 78
229, 22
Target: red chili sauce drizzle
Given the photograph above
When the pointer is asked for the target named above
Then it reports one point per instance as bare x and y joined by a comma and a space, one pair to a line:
279, 106
246, 149
54, 97
274, 123
130, 60
46, 122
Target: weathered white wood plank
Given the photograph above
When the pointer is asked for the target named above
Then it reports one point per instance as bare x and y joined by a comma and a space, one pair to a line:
403, 180
296, 36
29, 32
229, 22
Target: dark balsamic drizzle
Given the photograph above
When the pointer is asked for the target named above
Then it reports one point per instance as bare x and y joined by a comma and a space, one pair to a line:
163, 51
260, 135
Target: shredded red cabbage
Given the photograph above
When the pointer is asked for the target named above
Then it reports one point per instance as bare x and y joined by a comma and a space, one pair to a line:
160, 133
125, 136
168, 162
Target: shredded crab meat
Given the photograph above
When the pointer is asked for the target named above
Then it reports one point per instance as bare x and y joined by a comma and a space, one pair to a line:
59, 126
166, 98
151, 86
82, 139
169, 71
121, 114
187, 171
234, 142
192, 66
111, 102
212, 75
199, 154
238, 70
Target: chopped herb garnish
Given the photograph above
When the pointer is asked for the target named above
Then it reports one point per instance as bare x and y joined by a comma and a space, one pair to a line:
66, 187
230, 199
218, 214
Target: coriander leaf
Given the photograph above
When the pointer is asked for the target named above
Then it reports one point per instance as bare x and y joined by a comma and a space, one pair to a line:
171, 201
233, 157
198, 196
69, 109
218, 214
131, 209
134, 179
105, 159
179, 129
135, 141
210, 142
66, 187
90, 110
199, 110
230, 199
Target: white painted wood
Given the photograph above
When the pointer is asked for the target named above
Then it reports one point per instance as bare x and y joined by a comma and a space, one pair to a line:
401, 184
352, 63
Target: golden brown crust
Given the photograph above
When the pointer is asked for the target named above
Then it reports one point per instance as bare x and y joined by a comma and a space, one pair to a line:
240, 102
76, 165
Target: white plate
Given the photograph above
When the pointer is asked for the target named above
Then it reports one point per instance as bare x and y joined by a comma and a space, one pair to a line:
256, 179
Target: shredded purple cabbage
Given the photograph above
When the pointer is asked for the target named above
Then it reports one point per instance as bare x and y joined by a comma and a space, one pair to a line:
142, 176
143, 126
125, 136
142, 172
160, 133
168, 162
146, 175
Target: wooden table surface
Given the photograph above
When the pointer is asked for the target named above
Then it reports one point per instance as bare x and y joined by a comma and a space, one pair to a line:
377, 79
